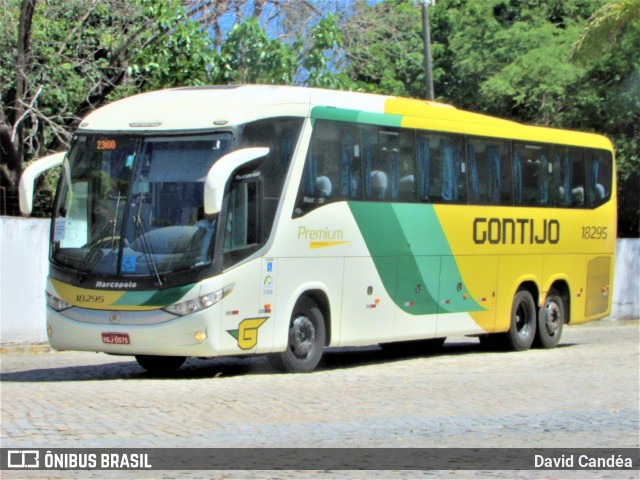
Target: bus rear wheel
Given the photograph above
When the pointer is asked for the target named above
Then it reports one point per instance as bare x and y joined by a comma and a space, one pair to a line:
306, 340
551, 319
160, 364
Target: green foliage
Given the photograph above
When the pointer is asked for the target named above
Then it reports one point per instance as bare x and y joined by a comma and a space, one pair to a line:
510, 58
386, 56
314, 60
180, 53
81, 55
606, 99
605, 27
249, 56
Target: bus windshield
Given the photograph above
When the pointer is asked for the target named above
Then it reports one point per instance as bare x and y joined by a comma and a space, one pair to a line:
132, 206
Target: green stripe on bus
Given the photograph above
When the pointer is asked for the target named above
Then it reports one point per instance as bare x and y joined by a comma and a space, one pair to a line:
412, 257
155, 298
356, 116
169, 296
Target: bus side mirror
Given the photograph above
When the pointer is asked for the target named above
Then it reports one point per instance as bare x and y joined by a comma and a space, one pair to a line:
28, 178
221, 171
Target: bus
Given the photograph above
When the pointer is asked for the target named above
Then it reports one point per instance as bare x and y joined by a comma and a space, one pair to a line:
275, 220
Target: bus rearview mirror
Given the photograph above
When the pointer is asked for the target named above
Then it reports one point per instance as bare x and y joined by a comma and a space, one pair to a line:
221, 171
28, 178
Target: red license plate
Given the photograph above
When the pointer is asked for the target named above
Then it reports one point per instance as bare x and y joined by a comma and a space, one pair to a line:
115, 338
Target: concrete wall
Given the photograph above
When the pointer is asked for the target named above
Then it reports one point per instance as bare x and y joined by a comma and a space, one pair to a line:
626, 284
23, 273
24, 266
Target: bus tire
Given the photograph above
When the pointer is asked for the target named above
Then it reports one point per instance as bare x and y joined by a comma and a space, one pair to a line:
160, 364
551, 319
522, 330
306, 340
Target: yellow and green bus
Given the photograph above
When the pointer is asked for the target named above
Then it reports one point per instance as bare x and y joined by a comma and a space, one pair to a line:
243, 220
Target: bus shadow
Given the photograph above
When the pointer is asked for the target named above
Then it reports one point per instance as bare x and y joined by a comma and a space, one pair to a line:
195, 368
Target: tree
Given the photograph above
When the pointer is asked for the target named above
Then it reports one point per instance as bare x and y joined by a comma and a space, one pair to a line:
510, 58
383, 48
69, 57
606, 99
605, 28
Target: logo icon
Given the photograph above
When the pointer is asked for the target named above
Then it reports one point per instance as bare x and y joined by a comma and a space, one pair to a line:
23, 459
247, 332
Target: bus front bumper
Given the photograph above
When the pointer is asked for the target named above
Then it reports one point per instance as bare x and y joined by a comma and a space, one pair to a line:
193, 335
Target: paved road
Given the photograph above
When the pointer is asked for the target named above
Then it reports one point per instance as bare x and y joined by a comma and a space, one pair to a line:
585, 393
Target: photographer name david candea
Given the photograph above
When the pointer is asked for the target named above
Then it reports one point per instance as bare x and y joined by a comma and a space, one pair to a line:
583, 461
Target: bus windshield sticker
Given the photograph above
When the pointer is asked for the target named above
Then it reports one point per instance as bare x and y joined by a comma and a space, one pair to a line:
129, 263
59, 229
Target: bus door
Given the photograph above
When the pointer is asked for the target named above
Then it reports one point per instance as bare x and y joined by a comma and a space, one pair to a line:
247, 321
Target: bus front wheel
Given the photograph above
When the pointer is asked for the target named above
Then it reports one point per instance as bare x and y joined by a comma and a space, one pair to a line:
551, 319
160, 364
306, 340
522, 331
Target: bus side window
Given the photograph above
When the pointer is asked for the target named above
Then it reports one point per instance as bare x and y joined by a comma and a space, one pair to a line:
599, 176
389, 164
578, 179
488, 171
441, 168
332, 167
243, 219
569, 176
407, 185
532, 175
452, 171
423, 151
244, 230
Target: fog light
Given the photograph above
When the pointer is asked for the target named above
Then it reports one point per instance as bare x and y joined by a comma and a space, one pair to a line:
49, 331
200, 337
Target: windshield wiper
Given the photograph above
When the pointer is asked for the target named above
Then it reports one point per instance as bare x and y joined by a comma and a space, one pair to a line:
95, 248
115, 221
142, 231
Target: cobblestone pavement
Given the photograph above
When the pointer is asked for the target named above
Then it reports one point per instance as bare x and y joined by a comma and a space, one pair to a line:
585, 393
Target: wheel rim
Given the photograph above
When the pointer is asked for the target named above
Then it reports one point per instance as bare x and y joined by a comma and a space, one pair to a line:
552, 318
302, 337
523, 320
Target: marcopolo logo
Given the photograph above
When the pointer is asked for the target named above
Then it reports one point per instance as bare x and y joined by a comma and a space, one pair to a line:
115, 285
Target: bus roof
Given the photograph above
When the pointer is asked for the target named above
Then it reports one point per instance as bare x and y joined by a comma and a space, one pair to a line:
201, 108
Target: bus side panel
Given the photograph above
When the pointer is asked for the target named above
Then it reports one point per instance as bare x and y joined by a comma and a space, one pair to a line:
471, 288
514, 270
417, 294
599, 286
572, 270
368, 308
299, 275
244, 329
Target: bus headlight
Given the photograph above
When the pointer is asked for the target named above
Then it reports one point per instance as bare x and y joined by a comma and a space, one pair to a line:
57, 304
200, 303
